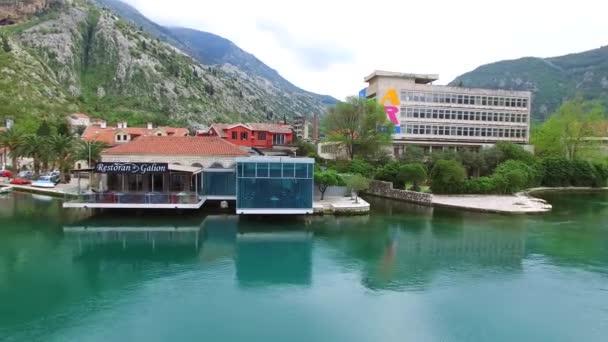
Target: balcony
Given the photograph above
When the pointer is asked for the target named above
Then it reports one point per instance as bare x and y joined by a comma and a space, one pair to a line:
141, 200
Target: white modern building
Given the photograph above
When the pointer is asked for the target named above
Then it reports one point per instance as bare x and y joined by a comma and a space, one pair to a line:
439, 117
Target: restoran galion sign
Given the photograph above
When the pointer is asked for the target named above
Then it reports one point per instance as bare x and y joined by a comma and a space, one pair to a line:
133, 168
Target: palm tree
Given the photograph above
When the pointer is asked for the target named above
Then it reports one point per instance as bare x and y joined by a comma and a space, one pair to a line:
62, 147
35, 147
90, 151
12, 140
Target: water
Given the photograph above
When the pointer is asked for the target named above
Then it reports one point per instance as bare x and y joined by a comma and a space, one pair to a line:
404, 273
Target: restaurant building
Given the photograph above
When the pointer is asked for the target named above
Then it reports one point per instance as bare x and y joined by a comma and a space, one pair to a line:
165, 172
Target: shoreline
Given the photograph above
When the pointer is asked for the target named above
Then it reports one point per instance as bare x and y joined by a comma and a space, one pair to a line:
339, 206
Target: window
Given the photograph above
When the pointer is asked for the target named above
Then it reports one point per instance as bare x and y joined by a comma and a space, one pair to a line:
118, 137
234, 135
244, 135
278, 139
261, 135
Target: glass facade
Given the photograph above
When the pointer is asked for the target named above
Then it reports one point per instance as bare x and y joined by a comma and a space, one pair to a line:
462, 114
464, 99
219, 183
275, 183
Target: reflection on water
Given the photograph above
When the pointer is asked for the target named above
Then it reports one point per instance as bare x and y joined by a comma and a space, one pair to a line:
57, 267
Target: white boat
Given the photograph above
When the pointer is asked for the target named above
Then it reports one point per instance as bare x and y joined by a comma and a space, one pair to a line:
44, 182
6, 190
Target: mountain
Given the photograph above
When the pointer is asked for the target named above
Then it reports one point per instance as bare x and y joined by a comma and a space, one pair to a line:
72, 55
209, 49
552, 80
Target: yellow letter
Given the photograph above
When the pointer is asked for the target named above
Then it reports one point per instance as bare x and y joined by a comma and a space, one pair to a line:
390, 95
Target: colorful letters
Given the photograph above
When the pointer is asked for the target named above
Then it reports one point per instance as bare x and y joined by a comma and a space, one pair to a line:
392, 110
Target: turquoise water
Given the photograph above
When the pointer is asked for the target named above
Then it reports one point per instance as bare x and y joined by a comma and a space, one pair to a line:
404, 273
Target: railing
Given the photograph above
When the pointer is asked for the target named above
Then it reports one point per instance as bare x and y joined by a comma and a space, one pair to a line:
139, 198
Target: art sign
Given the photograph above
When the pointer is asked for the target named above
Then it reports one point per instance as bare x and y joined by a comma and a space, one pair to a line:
132, 168
392, 108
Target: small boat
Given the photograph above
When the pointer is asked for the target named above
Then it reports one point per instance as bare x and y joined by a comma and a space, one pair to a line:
44, 182
6, 190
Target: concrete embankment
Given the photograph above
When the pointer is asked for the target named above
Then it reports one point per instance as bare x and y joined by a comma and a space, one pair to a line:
339, 205
521, 203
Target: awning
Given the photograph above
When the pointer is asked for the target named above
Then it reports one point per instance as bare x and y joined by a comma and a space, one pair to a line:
181, 168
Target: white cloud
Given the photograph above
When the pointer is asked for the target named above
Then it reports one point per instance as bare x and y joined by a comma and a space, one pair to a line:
329, 46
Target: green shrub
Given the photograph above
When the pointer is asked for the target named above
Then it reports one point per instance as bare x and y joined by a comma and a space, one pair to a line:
519, 174
361, 167
556, 172
414, 173
481, 185
390, 173
600, 172
447, 177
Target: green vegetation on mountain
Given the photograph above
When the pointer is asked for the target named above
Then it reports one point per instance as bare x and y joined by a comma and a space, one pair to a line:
552, 80
75, 56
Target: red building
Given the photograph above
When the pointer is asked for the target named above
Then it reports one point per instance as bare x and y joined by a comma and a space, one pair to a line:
259, 135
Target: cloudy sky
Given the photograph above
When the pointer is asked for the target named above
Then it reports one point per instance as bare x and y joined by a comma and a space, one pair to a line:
329, 46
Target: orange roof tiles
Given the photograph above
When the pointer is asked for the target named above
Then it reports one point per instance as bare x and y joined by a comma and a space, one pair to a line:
177, 145
264, 127
106, 135
270, 127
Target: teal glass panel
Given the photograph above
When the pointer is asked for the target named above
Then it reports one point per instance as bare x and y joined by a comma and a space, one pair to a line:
275, 170
262, 170
219, 183
249, 170
274, 193
301, 170
288, 170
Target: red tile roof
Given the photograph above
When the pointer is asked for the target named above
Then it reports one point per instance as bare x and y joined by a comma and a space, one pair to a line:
270, 127
106, 135
176, 145
264, 127
220, 129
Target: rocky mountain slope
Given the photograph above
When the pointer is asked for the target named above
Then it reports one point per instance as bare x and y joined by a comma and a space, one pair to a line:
78, 56
209, 48
553, 80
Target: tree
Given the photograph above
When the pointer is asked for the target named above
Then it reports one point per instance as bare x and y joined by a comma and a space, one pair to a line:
570, 131
414, 173
44, 130
35, 147
5, 45
447, 177
62, 147
63, 128
325, 179
89, 149
304, 148
357, 183
413, 154
359, 124
12, 140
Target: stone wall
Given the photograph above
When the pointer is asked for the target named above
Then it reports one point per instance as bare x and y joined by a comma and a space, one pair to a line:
385, 189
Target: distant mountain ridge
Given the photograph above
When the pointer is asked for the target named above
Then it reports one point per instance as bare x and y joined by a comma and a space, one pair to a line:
208, 48
552, 80
66, 56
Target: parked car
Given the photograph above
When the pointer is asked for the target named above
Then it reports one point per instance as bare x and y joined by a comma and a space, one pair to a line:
26, 174
6, 173
20, 181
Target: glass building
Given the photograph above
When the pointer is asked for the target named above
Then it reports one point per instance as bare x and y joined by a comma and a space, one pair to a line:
274, 185
219, 183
